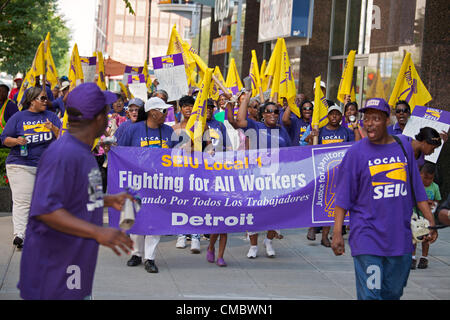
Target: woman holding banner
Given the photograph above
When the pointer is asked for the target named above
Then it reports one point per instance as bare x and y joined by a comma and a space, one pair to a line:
261, 135
149, 131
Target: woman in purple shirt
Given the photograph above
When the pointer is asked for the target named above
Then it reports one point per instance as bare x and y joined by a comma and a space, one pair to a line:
28, 133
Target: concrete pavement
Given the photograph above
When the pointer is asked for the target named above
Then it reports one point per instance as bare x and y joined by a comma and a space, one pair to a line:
302, 269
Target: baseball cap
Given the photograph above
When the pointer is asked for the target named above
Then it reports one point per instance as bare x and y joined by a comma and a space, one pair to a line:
210, 102
89, 99
334, 107
137, 102
156, 103
377, 104
64, 85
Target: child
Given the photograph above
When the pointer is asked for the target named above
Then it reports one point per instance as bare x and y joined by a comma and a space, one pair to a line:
434, 196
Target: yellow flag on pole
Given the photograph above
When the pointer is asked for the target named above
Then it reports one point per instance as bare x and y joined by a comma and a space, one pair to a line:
233, 81
215, 89
51, 72
28, 81
197, 121
320, 110
264, 78
286, 88
376, 89
408, 86
255, 76
101, 82
75, 71
346, 84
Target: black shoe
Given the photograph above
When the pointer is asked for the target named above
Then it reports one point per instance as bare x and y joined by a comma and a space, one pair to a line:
413, 264
150, 266
18, 242
134, 261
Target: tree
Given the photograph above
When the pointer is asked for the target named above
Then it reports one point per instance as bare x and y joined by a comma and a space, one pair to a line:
23, 25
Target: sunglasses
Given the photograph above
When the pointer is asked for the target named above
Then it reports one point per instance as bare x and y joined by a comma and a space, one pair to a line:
401, 111
133, 110
42, 98
275, 111
163, 111
307, 108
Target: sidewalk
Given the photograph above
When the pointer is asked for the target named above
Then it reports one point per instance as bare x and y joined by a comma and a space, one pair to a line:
302, 269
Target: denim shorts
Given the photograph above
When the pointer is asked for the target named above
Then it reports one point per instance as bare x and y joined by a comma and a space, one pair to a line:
381, 278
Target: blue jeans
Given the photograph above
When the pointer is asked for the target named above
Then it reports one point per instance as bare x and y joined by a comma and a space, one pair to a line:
381, 278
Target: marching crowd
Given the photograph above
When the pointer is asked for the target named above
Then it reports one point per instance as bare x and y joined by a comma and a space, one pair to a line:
46, 177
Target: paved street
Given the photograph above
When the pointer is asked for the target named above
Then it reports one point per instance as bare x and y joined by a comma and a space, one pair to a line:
302, 270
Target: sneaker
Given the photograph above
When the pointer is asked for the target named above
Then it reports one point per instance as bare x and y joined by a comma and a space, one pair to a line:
195, 246
269, 249
134, 261
210, 256
423, 263
150, 266
311, 234
221, 263
252, 253
413, 264
181, 242
18, 242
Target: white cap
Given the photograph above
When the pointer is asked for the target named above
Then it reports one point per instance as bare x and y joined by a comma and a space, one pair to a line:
322, 85
64, 85
334, 107
156, 103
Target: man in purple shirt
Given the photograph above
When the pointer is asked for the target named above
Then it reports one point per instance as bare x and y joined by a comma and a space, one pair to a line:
65, 225
402, 113
374, 184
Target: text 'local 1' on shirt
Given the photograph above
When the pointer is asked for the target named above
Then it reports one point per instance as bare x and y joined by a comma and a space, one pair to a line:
265, 136
140, 135
31, 125
57, 265
374, 185
341, 134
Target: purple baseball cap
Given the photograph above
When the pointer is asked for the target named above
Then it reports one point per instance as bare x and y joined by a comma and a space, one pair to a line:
377, 104
89, 99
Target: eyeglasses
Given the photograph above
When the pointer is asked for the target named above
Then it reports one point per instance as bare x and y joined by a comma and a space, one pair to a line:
307, 108
163, 111
42, 98
401, 111
133, 110
275, 111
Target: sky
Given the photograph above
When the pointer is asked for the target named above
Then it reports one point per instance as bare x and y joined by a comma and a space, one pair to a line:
80, 17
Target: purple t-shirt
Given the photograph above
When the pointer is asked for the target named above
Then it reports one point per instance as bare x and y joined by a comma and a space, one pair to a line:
31, 125
138, 134
341, 134
57, 265
264, 135
374, 185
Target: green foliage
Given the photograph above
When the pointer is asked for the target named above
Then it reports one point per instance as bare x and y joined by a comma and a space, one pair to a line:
3, 154
23, 25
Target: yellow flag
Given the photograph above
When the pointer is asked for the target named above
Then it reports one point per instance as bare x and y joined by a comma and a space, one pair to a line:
255, 76
148, 80
214, 90
286, 88
51, 73
38, 66
125, 90
197, 121
101, 82
345, 86
75, 71
233, 81
408, 86
264, 78
28, 81
320, 110
274, 58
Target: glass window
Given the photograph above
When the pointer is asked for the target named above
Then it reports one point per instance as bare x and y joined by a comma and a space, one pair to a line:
118, 27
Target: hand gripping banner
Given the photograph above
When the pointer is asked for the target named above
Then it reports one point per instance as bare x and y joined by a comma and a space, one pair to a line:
254, 190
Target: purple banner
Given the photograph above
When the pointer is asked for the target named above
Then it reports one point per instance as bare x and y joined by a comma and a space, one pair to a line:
136, 78
240, 191
133, 70
168, 61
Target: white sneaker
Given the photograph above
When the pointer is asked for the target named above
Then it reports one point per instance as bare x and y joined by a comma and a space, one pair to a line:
195, 246
252, 253
269, 249
181, 242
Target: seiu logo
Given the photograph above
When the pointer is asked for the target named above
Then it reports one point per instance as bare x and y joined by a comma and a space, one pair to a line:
432, 114
388, 177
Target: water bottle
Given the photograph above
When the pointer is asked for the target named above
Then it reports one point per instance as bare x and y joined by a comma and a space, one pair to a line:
24, 149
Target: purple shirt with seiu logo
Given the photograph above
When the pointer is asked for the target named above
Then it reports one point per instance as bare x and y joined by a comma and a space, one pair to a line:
31, 125
374, 185
57, 265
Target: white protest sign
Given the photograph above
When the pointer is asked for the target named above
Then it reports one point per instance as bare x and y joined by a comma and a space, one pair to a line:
171, 75
137, 86
89, 66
